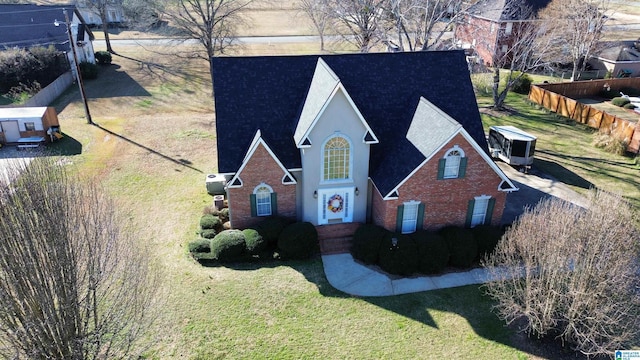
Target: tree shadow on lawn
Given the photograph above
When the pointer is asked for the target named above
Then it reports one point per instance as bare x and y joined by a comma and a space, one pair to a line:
182, 162
562, 174
469, 302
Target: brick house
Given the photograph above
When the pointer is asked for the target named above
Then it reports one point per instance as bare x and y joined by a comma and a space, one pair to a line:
393, 139
490, 27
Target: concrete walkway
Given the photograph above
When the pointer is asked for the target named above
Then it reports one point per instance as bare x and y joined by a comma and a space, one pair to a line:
351, 277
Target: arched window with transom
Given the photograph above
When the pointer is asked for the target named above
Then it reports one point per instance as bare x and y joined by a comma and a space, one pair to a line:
263, 201
453, 165
337, 159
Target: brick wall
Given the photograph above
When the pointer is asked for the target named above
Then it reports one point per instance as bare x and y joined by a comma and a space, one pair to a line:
333, 231
446, 201
261, 168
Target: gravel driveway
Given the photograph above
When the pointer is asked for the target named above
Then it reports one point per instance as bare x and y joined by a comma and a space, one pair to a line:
10, 157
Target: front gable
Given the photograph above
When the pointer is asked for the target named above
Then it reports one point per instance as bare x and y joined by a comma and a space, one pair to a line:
325, 86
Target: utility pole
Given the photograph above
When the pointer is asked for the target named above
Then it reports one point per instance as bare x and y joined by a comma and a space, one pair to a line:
78, 74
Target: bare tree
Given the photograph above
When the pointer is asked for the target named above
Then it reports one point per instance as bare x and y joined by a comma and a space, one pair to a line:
101, 8
318, 11
143, 14
359, 21
422, 24
212, 22
74, 284
575, 27
572, 273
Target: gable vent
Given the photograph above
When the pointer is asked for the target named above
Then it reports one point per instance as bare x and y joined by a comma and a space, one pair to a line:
369, 138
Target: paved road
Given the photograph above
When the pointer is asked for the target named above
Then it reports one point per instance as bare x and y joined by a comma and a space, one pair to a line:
242, 40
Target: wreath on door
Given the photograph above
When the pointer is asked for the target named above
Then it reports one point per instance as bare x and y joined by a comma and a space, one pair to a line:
335, 203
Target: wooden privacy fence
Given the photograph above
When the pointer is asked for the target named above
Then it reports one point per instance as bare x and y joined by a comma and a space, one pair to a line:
622, 129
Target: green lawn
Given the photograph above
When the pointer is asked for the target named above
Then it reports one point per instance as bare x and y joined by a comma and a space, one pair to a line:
564, 149
152, 149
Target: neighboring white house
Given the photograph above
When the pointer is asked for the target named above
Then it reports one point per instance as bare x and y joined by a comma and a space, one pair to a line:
115, 12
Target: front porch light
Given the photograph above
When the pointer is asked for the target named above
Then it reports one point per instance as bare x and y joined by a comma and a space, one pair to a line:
315, 194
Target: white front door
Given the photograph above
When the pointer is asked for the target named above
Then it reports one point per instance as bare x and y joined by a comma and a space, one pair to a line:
335, 205
11, 131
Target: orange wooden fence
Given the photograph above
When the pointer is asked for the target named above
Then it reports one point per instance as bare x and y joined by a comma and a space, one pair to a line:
625, 130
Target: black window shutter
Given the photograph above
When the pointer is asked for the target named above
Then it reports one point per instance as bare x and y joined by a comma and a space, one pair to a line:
399, 218
252, 200
441, 164
462, 170
420, 221
274, 204
490, 206
472, 203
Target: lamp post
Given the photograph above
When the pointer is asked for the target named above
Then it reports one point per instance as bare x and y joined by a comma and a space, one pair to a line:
77, 66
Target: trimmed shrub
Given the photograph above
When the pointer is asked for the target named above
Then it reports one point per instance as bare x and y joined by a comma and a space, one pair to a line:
298, 241
200, 246
229, 245
88, 70
271, 227
103, 57
208, 233
401, 259
366, 243
620, 101
522, 85
208, 221
629, 106
487, 238
254, 241
223, 214
463, 248
432, 250
210, 210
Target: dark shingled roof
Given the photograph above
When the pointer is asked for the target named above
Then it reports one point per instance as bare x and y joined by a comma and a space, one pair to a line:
267, 93
28, 25
507, 9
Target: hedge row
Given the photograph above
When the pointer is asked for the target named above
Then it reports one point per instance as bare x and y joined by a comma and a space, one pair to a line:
274, 236
424, 251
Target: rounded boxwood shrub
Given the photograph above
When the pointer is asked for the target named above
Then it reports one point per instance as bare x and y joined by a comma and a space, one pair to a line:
208, 233
401, 259
229, 245
629, 106
620, 101
432, 250
254, 242
463, 248
88, 70
103, 57
200, 246
298, 241
209, 221
366, 243
271, 227
487, 238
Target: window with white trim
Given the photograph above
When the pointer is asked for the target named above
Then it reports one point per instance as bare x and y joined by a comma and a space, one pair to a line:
509, 28
29, 126
263, 200
453, 160
480, 210
337, 159
410, 217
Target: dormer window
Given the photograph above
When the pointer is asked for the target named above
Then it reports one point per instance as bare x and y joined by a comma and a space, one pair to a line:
337, 159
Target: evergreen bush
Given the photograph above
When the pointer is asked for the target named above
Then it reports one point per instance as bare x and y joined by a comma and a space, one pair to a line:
208, 233
366, 243
463, 248
229, 245
200, 246
271, 227
298, 241
103, 57
88, 70
629, 106
620, 101
522, 85
432, 250
254, 242
487, 237
209, 221
401, 259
